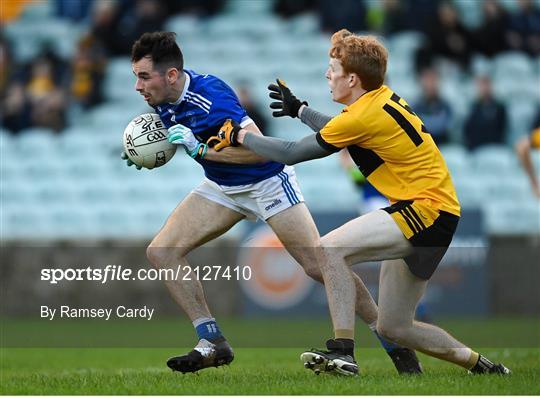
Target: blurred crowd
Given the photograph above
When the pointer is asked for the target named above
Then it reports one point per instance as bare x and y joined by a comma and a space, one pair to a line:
39, 92
439, 20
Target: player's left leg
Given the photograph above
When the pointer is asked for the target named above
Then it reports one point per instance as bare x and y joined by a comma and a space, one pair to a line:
363, 239
370, 237
399, 293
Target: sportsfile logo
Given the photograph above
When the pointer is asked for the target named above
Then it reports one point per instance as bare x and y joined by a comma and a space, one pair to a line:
275, 203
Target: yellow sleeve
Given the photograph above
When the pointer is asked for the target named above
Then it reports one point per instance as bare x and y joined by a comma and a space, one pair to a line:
535, 138
342, 131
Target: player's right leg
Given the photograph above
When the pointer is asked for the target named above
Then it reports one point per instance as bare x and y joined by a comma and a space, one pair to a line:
194, 222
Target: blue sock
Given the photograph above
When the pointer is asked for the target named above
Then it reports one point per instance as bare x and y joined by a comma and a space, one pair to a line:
388, 346
208, 329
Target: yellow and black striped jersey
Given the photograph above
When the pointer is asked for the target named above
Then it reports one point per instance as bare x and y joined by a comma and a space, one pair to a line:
392, 148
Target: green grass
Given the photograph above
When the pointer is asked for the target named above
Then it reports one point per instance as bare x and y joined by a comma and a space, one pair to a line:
254, 371
129, 358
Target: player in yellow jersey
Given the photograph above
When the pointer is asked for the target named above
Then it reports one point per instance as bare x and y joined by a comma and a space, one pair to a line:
523, 149
392, 148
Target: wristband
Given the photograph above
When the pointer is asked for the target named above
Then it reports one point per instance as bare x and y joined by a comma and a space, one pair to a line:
200, 151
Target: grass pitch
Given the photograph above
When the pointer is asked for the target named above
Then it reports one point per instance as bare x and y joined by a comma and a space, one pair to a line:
262, 370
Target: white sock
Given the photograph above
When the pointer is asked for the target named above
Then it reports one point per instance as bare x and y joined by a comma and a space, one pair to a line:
202, 320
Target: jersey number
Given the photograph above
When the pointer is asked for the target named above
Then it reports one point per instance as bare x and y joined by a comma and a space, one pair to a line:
402, 121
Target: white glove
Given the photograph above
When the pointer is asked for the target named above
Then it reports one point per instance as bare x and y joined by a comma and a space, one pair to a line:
181, 135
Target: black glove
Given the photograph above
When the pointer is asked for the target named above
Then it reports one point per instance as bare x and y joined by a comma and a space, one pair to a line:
288, 104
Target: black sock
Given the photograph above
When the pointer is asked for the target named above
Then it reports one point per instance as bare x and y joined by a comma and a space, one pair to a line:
347, 346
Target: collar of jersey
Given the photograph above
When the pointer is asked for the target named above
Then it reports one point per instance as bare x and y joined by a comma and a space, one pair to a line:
186, 86
367, 94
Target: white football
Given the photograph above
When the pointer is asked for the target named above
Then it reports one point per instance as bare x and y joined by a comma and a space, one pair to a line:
145, 141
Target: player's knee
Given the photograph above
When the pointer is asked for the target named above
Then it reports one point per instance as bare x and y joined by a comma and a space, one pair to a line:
160, 256
155, 257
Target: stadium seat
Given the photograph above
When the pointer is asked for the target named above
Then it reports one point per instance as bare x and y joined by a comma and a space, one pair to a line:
256, 25
512, 188
481, 65
513, 217
497, 160
186, 27
456, 158
304, 24
65, 221
32, 34
509, 5
521, 113
470, 12
35, 142
16, 191
469, 191
115, 116
247, 9
515, 64
119, 83
405, 43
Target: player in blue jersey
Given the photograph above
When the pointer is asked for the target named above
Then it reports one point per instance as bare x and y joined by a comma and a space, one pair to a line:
238, 184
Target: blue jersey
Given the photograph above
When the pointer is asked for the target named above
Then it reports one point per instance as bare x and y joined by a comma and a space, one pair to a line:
204, 105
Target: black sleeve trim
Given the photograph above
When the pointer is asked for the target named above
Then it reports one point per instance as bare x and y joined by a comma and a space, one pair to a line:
325, 145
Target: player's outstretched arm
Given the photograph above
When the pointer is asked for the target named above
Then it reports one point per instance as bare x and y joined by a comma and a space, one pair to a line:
282, 151
234, 154
313, 119
287, 104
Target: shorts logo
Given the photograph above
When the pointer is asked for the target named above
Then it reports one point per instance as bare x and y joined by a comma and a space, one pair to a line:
275, 203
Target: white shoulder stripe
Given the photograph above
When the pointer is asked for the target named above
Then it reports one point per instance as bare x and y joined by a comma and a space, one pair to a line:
200, 97
197, 100
203, 99
198, 105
